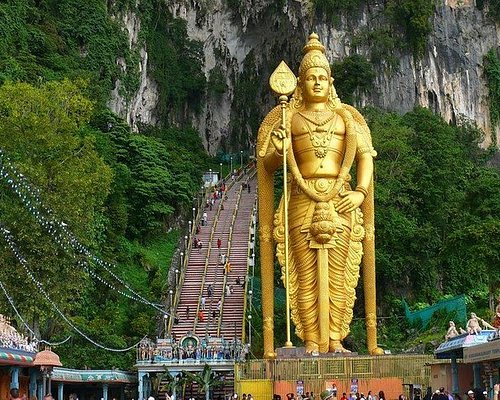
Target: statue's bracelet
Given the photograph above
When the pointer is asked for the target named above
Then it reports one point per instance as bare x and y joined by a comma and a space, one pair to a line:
361, 189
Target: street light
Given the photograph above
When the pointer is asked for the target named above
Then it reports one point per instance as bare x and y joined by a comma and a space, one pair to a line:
165, 319
231, 161
171, 295
185, 242
176, 276
47, 360
190, 226
220, 164
182, 259
194, 213
250, 329
241, 158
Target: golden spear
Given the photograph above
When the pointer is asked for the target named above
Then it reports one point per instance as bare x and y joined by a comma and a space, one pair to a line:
283, 83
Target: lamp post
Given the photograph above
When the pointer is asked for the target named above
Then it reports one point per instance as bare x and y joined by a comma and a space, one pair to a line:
185, 242
220, 165
194, 213
241, 159
190, 226
176, 276
165, 319
182, 259
250, 292
250, 329
231, 163
211, 176
47, 360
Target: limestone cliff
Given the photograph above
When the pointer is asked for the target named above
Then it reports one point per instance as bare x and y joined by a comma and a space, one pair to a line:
247, 43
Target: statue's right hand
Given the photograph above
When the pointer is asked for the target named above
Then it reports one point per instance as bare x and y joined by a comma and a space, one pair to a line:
278, 137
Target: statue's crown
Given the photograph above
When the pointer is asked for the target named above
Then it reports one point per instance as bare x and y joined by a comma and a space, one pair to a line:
314, 56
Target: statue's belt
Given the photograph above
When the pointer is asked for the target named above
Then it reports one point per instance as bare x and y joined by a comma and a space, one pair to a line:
318, 185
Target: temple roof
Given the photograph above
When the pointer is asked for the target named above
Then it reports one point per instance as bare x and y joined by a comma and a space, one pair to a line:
454, 348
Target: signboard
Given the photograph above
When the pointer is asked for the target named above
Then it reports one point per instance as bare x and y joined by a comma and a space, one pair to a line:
354, 385
300, 388
483, 352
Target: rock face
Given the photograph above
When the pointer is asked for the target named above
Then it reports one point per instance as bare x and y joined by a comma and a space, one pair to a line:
449, 79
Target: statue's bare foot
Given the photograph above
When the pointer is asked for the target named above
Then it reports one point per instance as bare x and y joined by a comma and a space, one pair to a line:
312, 348
336, 347
377, 351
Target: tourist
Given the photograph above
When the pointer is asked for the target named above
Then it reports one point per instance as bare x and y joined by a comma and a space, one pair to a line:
187, 312
344, 396
210, 290
202, 302
238, 281
381, 395
370, 396
14, 394
201, 316
219, 243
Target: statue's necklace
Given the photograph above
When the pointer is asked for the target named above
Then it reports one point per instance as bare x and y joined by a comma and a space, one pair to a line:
315, 117
320, 137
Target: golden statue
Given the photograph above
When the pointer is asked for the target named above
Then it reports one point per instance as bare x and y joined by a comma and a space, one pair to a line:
330, 226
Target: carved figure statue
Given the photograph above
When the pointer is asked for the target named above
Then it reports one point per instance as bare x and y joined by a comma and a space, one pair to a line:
331, 225
496, 318
452, 331
473, 327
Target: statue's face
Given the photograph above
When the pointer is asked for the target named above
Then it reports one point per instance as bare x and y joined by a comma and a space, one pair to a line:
316, 85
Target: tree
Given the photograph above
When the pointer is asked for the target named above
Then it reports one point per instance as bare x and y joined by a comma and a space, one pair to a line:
41, 131
205, 380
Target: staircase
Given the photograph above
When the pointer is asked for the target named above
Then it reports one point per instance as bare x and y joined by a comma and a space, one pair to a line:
231, 324
228, 220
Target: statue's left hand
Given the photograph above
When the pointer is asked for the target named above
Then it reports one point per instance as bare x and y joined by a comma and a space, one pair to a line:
350, 201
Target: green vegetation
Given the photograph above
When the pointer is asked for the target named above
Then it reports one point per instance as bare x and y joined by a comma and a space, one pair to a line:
176, 60
334, 9
492, 71
353, 76
245, 102
407, 26
413, 17
120, 193
493, 8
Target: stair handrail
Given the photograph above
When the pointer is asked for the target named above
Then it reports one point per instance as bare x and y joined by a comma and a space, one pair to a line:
223, 297
250, 225
185, 261
207, 257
